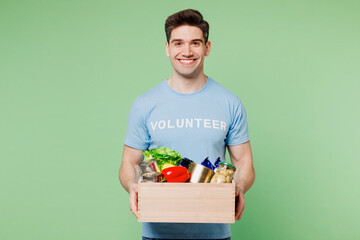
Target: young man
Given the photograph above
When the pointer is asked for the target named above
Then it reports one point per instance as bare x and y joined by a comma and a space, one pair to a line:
195, 116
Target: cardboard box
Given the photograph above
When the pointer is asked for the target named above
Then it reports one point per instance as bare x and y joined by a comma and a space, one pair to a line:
186, 202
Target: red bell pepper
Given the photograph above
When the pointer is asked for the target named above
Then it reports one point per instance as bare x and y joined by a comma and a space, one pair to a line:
175, 174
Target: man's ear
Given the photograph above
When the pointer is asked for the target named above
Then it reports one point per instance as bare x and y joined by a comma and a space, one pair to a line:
207, 48
167, 49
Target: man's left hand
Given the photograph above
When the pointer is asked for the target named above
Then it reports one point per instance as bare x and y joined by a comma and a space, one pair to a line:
239, 204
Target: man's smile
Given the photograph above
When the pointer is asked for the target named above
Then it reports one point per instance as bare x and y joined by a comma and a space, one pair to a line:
187, 61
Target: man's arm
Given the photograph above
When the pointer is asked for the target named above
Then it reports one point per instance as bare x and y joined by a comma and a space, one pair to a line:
129, 175
244, 176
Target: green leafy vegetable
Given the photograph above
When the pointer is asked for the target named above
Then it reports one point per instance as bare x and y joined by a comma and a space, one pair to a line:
147, 155
163, 155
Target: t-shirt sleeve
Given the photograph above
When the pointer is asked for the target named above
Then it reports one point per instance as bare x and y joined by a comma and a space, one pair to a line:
238, 130
137, 134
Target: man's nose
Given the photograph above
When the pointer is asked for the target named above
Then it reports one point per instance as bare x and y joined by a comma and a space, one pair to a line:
187, 51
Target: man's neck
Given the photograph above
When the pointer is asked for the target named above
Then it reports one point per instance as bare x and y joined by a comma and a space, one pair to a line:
187, 85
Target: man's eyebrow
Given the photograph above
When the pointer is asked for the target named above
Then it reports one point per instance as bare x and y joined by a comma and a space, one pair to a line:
193, 40
176, 40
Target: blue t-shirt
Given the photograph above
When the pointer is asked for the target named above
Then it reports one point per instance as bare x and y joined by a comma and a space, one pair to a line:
197, 125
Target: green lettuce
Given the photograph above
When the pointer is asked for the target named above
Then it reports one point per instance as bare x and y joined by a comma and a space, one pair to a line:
163, 155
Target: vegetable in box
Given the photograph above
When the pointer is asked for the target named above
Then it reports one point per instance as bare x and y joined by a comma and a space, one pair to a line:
166, 157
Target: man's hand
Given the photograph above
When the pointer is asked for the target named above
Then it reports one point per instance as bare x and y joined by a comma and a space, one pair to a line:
129, 175
239, 204
133, 199
244, 175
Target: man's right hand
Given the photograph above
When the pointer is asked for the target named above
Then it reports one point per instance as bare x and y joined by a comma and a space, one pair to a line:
129, 175
133, 199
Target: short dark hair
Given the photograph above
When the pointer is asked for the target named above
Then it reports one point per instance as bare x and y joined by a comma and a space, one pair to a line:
189, 17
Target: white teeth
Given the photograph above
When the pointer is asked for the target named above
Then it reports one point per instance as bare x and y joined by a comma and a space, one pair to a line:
186, 61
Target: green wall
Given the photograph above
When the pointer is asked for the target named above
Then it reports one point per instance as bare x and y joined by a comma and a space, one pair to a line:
70, 70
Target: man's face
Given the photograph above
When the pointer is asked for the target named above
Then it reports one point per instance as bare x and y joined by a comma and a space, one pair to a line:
187, 50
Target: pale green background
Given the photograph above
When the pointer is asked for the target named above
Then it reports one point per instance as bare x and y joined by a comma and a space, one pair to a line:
70, 70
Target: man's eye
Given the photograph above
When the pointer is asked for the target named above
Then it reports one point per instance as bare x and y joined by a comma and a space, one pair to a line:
177, 44
196, 43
